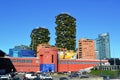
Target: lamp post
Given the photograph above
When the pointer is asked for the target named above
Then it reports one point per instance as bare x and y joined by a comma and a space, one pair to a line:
100, 57
100, 65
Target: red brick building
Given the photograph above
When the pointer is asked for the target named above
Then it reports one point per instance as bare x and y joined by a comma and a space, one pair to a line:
75, 65
47, 61
48, 57
86, 49
26, 64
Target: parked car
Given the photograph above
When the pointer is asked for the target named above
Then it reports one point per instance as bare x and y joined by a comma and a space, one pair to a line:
5, 77
74, 75
30, 75
36, 78
46, 76
106, 77
84, 76
63, 78
16, 78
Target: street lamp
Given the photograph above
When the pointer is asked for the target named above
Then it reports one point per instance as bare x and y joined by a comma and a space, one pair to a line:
100, 65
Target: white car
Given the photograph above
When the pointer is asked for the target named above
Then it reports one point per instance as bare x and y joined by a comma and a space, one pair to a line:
30, 76
46, 77
7, 77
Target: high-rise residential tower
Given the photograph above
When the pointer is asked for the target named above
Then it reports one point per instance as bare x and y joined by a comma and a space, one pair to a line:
103, 46
86, 49
39, 36
65, 31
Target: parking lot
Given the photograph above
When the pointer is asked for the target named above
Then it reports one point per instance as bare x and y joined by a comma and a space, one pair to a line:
21, 76
77, 78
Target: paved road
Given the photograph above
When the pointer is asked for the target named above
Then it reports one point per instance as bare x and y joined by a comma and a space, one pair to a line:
57, 78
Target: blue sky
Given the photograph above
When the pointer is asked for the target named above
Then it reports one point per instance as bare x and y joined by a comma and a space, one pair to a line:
93, 17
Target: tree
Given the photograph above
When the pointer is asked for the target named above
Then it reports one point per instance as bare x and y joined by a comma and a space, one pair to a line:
65, 31
39, 36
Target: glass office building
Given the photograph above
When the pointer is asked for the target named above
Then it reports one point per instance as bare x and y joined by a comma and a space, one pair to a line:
103, 46
21, 51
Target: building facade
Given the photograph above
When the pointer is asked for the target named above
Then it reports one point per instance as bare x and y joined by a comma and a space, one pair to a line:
26, 64
103, 46
86, 49
48, 58
21, 51
46, 61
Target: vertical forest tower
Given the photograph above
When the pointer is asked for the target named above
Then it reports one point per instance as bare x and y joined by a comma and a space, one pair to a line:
65, 31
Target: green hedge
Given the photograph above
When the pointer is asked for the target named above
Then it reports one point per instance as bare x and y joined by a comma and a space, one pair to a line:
113, 74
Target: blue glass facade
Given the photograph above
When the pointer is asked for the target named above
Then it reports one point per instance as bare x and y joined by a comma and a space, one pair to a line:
21, 51
47, 67
103, 46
